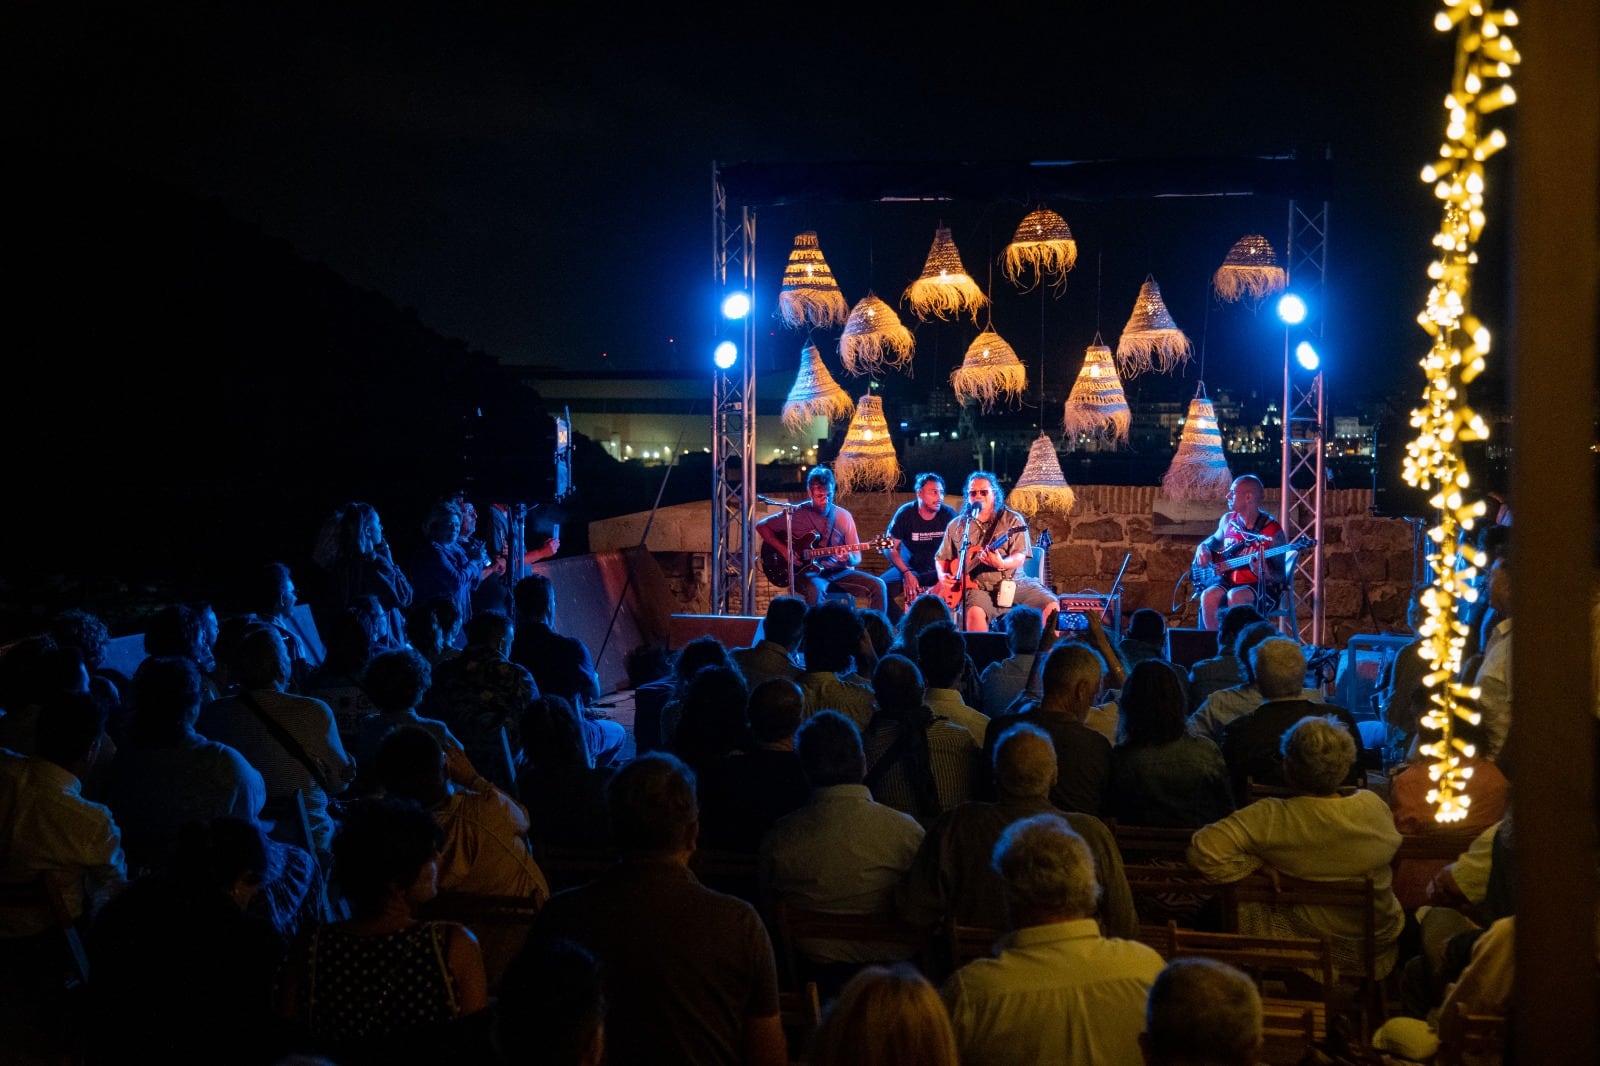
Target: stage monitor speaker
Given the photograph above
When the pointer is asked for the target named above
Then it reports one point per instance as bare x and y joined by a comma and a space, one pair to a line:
1185, 647
1108, 607
734, 630
986, 648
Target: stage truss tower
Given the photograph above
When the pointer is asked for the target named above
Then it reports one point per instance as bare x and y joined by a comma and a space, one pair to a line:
1305, 409
733, 411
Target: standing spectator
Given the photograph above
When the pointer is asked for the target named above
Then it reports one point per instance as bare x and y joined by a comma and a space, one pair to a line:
365, 565
1160, 775
561, 666
442, 565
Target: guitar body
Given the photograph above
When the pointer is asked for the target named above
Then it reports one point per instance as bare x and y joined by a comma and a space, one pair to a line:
954, 594
1235, 567
807, 550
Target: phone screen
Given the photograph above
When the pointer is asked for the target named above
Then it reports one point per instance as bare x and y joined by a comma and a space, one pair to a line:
1071, 621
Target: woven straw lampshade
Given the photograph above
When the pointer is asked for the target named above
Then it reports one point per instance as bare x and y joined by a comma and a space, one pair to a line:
944, 290
866, 461
1251, 269
810, 296
1199, 471
874, 336
1097, 404
1044, 245
1151, 338
814, 393
1042, 486
991, 369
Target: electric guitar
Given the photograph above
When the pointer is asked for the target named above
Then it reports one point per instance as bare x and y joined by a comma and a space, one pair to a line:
1203, 577
776, 567
953, 594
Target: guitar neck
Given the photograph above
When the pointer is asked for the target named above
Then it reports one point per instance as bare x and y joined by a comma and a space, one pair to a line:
1248, 557
816, 553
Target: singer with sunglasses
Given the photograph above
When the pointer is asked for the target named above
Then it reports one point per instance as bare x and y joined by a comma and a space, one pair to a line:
1243, 529
981, 555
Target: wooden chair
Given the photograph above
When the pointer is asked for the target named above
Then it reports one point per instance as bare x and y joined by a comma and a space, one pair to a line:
801, 1012
1288, 1031
1482, 1035
1445, 845
797, 924
964, 943
1141, 843
1172, 890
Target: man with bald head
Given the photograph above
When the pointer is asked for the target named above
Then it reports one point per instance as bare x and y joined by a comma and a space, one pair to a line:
1074, 674
952, 875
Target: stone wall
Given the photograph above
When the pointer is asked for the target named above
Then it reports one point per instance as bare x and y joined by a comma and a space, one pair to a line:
1368, 562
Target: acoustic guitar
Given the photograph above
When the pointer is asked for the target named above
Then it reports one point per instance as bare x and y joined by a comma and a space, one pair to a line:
953, 594
1203, 577
776, 567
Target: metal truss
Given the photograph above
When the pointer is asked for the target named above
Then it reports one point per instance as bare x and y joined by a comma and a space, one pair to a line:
1305, 425
733, 413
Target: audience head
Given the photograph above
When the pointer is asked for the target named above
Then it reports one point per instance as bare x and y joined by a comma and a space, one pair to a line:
1201, 1012
878, 628
84, 631
775, 710
1024, 763
166, 700
941, 654
269, 590
1147, 625
712, 720
1154, 706
44, 670
885, 1016
1318, 752
923, 612
410, 765
1048, 871
785, 621
490, 631
1249, 637
1232, 621
443, 523
833, 633
695, 656
71, 726
652, 806
552, 736
349, 635
226, 855
386, 853
433, 622
261, 660
535, 599
396, 680
830, 750
1279, 666
360, 530
550, 1006
897, 687
178, 629
1024, 629
1074, 673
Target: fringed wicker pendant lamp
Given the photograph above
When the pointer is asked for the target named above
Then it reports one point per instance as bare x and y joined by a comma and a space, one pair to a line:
866, 461
814, 394
874, 336
944, 290
1151, 338
1097, 404
1199, 471
1042, 486
1043, 244
1251, 269
810, 295
990, 370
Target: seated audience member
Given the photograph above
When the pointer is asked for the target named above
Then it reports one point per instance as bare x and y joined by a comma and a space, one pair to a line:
690, 659
564, 793
1146, 638
744, 792
1003, 680
85, 631
482, 695
953, 876
1202, 1012
433, 627
690, 974
1160, 775
924, 612
833, 634
37, 672
1074, 675
773, 655
917, 762
877, 633
1252, 744
1223, 670
1058, 992
350, 637
551, 1007
183, 629
885, 1016
843, 852
940, 655
382, 986
561, 665
1316, 834
393, 686
485, 847
183, 970
1224, 705
290, 739
49, 826
270, 595
1402, 698
711, 722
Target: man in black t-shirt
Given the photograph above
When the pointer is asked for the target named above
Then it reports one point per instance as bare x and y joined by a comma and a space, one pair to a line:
917, 528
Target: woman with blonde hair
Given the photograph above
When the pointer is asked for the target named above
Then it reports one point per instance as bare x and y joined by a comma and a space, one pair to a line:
885, 1016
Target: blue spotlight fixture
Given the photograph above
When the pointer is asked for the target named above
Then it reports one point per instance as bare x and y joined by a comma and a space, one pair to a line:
725, 355
735, 305
1307, 356
1291, 309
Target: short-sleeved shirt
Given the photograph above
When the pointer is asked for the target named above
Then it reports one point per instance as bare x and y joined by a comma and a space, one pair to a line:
1231, 535
920, 537
1007, 533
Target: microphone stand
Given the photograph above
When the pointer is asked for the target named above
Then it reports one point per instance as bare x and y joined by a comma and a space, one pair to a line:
788, 530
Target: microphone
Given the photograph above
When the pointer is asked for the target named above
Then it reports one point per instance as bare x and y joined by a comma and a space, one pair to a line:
974, 508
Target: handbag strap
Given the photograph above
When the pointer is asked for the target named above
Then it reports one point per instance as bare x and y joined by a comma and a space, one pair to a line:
285, 738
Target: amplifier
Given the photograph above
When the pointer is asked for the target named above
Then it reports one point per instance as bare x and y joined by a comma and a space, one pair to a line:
1108, 607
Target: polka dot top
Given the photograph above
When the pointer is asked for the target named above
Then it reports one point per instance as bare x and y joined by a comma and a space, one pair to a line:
361, 987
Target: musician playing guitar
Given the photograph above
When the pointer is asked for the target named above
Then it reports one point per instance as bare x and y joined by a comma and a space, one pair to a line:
832, 525
1245, 528
987, 544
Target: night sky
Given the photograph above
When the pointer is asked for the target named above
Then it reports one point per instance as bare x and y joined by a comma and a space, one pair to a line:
538, 185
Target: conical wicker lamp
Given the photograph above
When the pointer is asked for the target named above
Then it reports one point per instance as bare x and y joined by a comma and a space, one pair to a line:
810, 295
1097, 404
866, 461
814, 393
1042, 486
1044, 245
874, 336
1251, 269
944, 290
1199, 471
1151, 338
990, 370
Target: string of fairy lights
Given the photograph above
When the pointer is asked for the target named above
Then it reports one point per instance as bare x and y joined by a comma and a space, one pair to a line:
1434, 460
